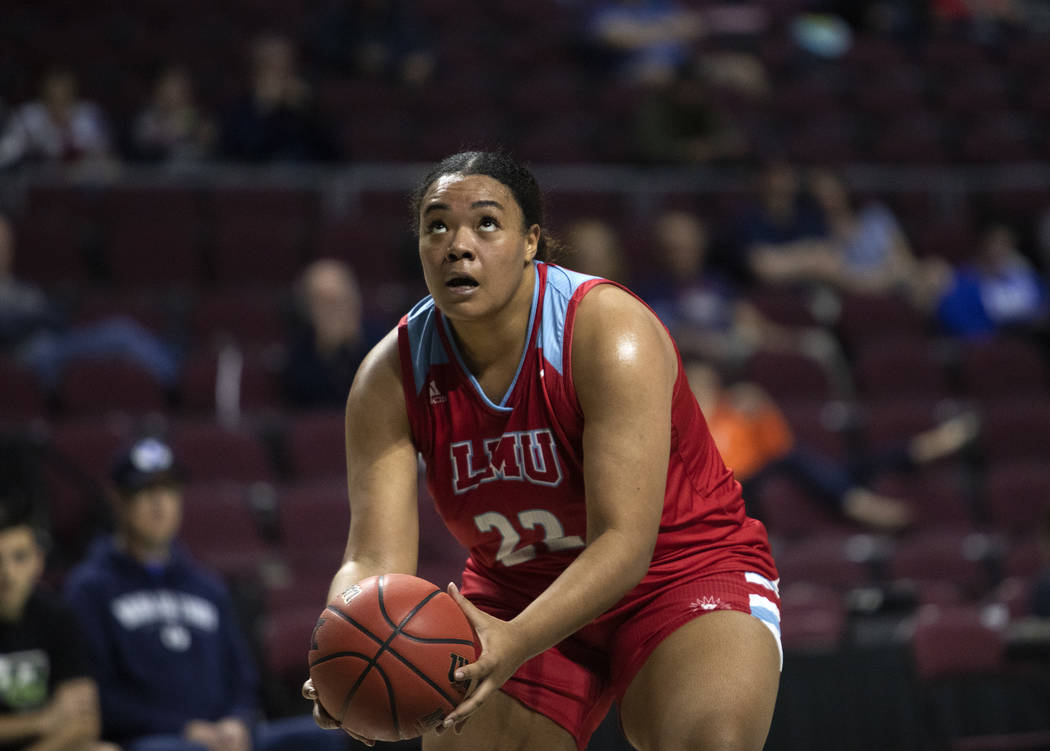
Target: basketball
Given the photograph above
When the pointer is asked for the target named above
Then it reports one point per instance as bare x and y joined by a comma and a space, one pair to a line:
383, 654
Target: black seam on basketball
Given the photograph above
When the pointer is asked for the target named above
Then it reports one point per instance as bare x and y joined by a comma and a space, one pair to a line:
336, 655
421, 640
385, 646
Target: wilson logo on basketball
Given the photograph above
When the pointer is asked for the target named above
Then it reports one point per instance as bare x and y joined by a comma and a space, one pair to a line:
457, 661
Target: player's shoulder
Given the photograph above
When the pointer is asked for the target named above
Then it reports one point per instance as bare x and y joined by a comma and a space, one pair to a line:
381, 363
610, 310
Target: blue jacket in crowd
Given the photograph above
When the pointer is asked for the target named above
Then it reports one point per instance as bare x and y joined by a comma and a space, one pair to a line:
165, 643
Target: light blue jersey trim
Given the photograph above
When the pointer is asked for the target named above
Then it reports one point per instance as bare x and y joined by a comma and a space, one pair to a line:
424, 342
462, 364
561, 285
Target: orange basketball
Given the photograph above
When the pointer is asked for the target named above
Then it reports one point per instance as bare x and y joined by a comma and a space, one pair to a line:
383, 655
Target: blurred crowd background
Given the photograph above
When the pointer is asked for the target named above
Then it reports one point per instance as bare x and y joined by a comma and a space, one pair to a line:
841, 209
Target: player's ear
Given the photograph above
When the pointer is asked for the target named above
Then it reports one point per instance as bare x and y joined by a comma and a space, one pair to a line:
532, 243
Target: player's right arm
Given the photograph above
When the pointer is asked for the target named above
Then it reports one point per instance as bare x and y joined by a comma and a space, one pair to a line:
382, 473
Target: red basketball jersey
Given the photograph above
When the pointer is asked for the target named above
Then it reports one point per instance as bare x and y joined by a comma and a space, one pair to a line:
507, 477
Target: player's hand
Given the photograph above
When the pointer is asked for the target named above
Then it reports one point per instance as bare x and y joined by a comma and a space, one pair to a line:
325, 720
501, 655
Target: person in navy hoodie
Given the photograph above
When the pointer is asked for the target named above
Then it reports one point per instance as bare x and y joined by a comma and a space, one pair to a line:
174, 671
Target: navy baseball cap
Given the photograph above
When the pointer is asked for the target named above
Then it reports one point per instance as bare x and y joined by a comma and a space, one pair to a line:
148, 461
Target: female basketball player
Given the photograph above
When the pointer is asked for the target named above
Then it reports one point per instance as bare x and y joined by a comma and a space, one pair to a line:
610, 555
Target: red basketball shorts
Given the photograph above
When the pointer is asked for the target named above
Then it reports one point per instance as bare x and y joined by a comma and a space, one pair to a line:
576, 682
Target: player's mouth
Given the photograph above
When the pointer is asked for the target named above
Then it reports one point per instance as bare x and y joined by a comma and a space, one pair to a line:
461, 283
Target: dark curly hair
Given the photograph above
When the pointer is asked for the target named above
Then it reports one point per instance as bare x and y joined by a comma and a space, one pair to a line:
500, 166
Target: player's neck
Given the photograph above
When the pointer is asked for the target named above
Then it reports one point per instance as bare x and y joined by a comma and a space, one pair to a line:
496, 342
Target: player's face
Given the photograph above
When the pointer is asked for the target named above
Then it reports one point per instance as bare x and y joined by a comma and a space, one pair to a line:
473, 245
152, 516
21, 564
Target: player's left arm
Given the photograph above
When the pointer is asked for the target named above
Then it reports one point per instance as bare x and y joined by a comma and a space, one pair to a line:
624, 369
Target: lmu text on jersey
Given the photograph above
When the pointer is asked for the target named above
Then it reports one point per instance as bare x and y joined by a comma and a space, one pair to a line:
528, 455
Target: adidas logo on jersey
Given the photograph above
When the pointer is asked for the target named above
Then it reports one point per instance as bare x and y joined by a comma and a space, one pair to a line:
436, 397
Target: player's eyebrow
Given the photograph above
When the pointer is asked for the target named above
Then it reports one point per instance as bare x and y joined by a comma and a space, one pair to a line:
439, 206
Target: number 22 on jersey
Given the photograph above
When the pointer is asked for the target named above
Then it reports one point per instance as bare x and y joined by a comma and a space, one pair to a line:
509, 554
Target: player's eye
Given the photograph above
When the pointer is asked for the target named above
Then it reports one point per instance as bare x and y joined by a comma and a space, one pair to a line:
488, 223
436, 226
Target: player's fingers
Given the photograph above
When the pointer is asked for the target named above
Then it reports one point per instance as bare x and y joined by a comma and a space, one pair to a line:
323, 719
475, 616
356, 737
469, 705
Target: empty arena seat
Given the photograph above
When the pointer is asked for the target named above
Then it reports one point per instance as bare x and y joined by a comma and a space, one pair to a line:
316, 445
1016, 428
260, 235
939, 555
900, 366
152, 237
220, 528
833, 561
250, 315
790, 511
21, 397
1016, 494
790, 375
313, 514
101, 386
813, 618
951, 641
212, 453
1003, 367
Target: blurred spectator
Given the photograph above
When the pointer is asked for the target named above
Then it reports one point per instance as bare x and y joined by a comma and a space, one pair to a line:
595, 248
782, 228
680, 123
329, 340
703, 308
33, 330
56, 127
372, 39
645, 41
174, 669
173, 127
48, 699
999, 291
757, 442
277, 119
867, 251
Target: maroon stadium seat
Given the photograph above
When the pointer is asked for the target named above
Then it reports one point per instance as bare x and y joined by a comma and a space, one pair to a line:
941, 555
1003, 367
220, 528
21, 397
212, 453
261, 235
899, 366
100, 386
953, 641
1017, 494
813, 618
152, 237
315, 442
